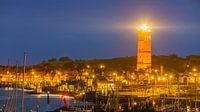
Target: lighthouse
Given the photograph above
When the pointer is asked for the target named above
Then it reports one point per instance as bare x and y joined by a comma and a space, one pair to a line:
144, 48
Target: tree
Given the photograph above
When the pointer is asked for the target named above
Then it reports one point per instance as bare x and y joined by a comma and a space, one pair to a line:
64, 59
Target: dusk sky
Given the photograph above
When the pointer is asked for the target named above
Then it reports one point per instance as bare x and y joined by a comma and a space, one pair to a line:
88, 29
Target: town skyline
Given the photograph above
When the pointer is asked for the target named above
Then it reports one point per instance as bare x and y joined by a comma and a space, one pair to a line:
99, 56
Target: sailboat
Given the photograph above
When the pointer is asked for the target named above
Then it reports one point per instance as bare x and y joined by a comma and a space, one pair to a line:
11, 102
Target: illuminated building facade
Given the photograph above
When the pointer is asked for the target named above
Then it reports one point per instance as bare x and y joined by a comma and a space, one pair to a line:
144, 48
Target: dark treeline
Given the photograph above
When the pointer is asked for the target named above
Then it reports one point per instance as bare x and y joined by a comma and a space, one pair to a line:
171, 63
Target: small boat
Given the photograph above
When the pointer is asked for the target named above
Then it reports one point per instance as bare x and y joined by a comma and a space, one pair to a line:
8, 88
64, 108
36, 91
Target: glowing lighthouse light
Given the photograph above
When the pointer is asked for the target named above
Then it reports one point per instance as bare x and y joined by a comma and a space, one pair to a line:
145, 27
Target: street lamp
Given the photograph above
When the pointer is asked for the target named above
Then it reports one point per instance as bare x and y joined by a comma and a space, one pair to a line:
194, 69
102, 66
156, 71
58, 72
170, 76
147, 74
152, 77
163, 78
169, 82
93, 76
158, 78
101, 69
88, 66
32, 72
153, 88
195, 76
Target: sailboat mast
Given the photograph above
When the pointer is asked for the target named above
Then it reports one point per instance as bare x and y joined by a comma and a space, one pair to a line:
16, 85
24, 71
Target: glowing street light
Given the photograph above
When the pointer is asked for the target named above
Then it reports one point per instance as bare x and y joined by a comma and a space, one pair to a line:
58, 72
88, 66
194, 69
147, 74
163, 78
166, 74
132, 77
86, 73
32, 73
102, 66
152, 77
114, 74
170, 76
159, 78
93, 76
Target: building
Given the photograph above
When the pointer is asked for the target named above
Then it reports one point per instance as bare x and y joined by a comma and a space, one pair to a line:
144, 48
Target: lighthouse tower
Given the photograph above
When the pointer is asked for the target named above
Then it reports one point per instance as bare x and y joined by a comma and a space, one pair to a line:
144, 48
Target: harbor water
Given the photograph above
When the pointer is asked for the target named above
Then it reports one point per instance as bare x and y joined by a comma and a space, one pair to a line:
36, 101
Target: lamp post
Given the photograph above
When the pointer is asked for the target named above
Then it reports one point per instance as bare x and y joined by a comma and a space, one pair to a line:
48, 97
102, 69
156, 70
166, 76
166, 82
147, 74
178, 106
195, 76
194, 70
117, 90
153, 88
169, 85
132, 90
94, 83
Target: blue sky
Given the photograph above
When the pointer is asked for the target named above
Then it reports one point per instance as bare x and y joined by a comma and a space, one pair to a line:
95, 28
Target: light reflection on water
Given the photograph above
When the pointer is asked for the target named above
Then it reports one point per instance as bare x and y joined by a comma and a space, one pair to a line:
31, 101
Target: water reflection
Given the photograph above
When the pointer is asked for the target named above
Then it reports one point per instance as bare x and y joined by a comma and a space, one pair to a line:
34, 101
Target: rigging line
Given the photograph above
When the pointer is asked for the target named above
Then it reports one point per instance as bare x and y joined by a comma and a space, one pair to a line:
6, 101
11, 102
24, 70
7, 108
14, 97
16, 87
